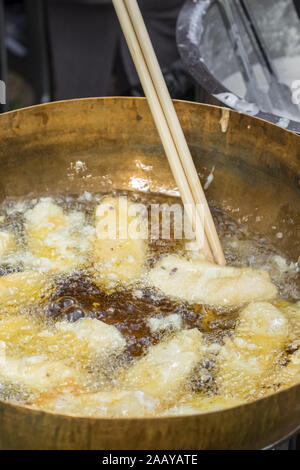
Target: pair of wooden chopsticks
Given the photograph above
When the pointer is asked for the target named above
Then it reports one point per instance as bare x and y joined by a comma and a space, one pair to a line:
169, 128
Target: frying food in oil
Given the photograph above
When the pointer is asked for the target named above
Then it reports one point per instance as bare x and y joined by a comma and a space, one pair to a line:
113, 326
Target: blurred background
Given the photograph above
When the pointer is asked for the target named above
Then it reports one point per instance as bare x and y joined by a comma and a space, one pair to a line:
64, 49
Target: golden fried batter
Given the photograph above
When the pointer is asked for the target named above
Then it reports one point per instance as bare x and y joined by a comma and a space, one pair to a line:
250, 354
120, 246
164, 370
23, 289
199, 281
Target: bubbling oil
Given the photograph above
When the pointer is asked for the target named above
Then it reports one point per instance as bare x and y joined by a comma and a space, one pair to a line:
74, 295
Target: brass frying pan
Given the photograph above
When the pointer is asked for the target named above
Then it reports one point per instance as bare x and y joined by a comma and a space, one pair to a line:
257, 170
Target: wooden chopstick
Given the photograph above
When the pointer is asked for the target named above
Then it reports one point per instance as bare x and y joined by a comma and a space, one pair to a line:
174, 125
162, 126
192, 209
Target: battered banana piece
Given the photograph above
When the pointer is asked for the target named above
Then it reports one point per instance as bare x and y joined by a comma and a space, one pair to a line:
121, 242
100, 339
36, 373
199, 281
292, 312
58, 241
163, 372
250, 355
110, 404
36, 356
41, 221
23, 289
7, 243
